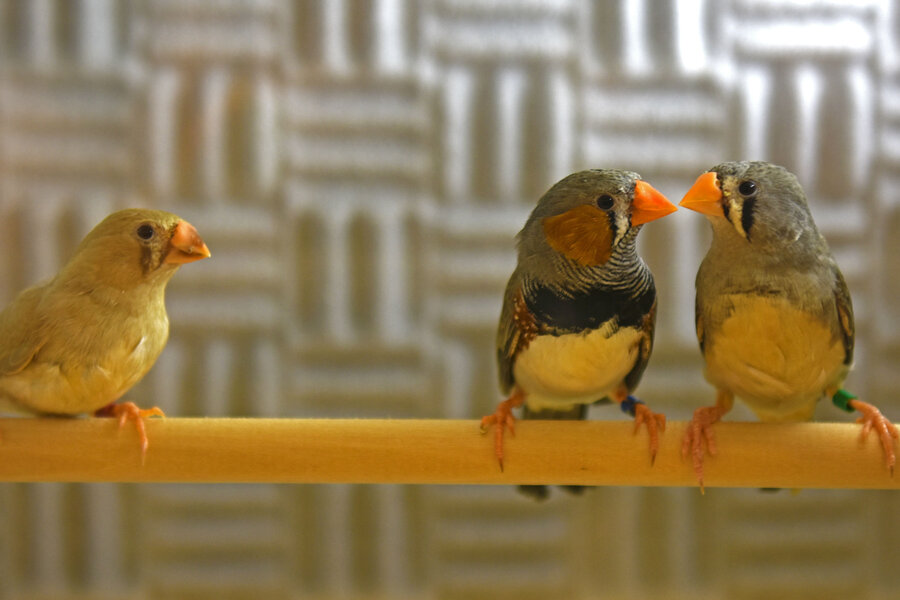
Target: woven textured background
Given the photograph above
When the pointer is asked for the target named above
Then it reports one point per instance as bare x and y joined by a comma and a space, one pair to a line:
359, 169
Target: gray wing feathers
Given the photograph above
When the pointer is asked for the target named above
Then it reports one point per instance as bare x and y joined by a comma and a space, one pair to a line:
507, 335
845, 314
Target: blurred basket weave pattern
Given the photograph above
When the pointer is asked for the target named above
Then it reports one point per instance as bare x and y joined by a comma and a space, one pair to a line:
359, 169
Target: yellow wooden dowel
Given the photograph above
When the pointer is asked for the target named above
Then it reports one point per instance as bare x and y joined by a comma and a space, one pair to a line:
817, 455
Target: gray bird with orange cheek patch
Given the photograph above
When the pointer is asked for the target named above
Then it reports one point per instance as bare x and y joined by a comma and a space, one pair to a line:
773, 312
78, 342
579, 310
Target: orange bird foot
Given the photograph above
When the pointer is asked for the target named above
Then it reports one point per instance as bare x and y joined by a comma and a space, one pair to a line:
503, 419
698, 434
129, 410
655, 423
873, 420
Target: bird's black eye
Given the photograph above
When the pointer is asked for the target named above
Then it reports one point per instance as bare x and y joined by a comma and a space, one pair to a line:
605, 202
748, 188
145, 231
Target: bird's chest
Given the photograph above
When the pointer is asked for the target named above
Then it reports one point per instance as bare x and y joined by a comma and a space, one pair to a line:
775, 357
93, 366
132, 356
563, 370
126, 360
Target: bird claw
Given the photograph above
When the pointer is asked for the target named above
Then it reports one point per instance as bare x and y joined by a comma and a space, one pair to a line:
655, 423
503, 419
699, 438
873, 420
125, 411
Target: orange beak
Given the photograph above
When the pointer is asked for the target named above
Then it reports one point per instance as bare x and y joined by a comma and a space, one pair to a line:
649, 204
705, 196
186, 245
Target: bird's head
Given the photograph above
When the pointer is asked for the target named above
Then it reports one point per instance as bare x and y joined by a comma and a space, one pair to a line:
761, 203
136, 244
587, 214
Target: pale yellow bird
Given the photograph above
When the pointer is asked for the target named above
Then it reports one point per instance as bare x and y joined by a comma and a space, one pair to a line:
76, 343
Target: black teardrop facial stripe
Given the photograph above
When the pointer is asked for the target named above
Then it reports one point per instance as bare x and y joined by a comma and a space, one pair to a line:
148, 259
747, 215
588, 309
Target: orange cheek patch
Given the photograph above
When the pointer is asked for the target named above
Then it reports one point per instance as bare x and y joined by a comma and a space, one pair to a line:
581, 234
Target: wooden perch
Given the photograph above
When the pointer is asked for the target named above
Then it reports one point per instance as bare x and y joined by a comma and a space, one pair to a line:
807, 455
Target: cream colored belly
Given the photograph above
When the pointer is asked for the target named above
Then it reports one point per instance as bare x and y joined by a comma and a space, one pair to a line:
49, 387
561, 371
779, 360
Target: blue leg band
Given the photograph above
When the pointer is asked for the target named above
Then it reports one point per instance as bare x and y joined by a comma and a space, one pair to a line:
628, 403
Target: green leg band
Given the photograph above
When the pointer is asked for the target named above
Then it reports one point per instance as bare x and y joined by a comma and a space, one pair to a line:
842, 400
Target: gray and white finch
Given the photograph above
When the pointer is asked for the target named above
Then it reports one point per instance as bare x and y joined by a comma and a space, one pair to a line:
76, 343
578, 314
773, 312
